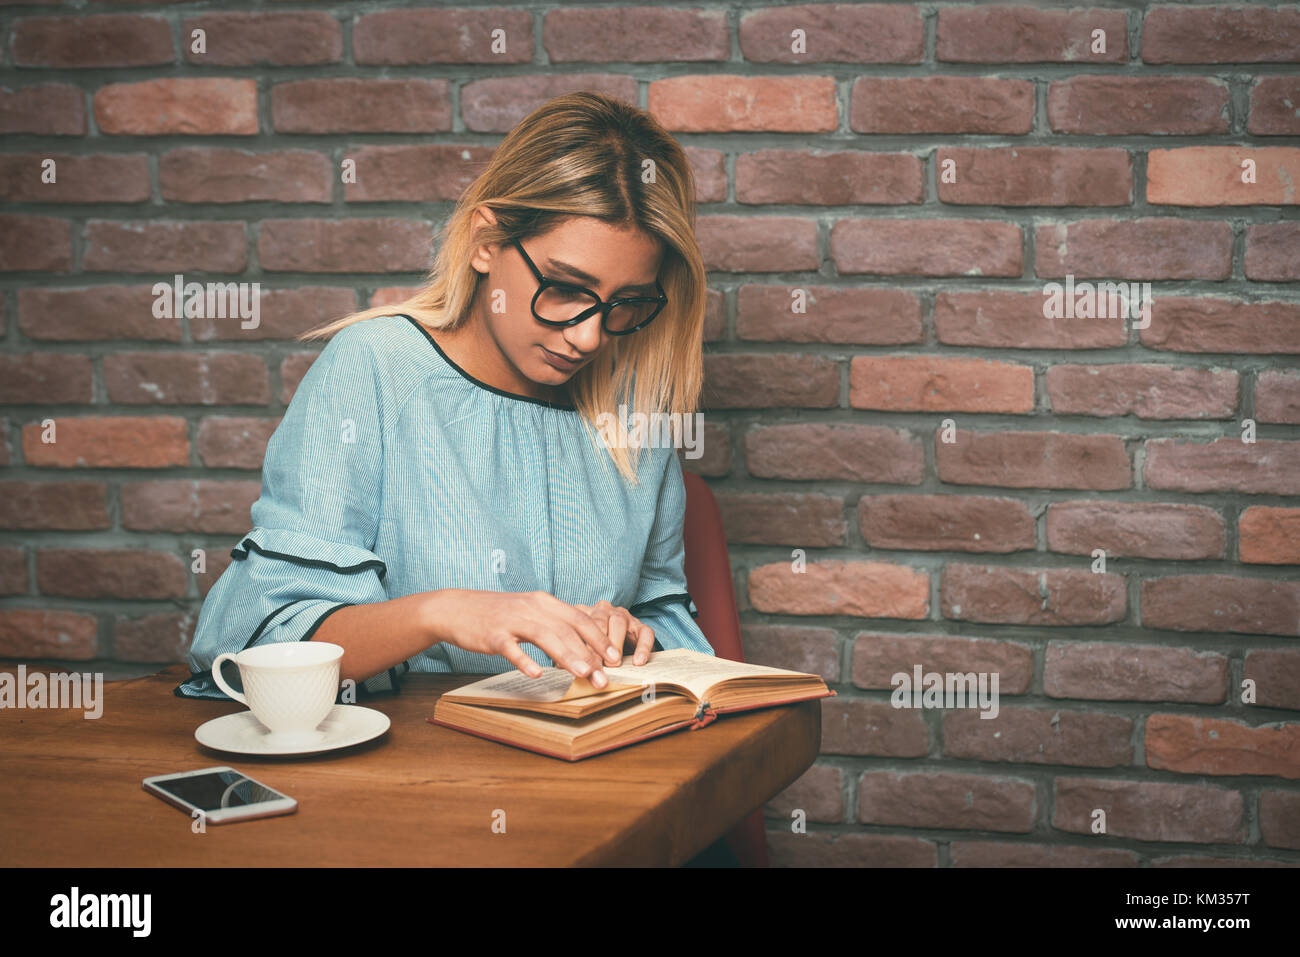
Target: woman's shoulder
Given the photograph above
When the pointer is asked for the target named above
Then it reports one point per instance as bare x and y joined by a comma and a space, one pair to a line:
391, 350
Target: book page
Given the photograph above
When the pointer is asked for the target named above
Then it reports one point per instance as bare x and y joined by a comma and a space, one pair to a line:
692, 670
553, 684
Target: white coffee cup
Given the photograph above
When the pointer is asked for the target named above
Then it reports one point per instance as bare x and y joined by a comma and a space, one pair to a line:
290, 687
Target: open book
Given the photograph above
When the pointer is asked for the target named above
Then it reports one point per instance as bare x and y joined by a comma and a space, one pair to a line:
568, 718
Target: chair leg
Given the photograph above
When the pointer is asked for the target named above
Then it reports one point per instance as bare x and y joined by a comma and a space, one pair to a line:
748, 840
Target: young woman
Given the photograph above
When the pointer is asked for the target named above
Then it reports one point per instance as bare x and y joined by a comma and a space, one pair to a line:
442, 493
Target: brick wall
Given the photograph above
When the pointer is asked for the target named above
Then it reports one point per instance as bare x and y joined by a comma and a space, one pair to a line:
917, 467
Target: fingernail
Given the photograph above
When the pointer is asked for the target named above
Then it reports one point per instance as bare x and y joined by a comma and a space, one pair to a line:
598, 679
612, 654
582, 669
640, 658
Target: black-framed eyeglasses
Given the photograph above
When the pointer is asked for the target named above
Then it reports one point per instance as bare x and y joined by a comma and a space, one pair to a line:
566, 304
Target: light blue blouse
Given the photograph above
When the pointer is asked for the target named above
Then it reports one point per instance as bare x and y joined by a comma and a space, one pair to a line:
394, 472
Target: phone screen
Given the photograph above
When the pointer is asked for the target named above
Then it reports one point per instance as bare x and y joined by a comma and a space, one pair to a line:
219, 789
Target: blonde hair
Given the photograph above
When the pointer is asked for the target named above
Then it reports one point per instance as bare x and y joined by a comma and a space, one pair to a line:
584, 154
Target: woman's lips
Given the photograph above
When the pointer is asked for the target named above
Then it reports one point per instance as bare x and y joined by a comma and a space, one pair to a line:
560, 362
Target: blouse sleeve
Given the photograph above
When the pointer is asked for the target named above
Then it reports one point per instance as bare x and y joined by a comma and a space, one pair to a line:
309, 551
662, 601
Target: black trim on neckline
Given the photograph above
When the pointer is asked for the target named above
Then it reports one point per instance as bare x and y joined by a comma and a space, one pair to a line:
559, 407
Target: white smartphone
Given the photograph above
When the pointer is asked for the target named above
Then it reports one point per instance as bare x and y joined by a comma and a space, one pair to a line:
222, 794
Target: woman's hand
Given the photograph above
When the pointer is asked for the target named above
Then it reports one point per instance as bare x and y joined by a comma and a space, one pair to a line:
495, 622
623, 629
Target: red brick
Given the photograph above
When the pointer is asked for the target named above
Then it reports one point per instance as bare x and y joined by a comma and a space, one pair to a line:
1212, 176
1264, 467
35, 244
93, 313
993, 854
205, 174
36, 378
1276, 675
165, 637
496, 104
856, 453
361, 105
216, 561
878, 657
411, 37
855, 726
1192, 324
344, 245
13, 570
1151, 810
186, 505
1269, 536
1150, 248
835, 33
1030, 596
1135, 530
1272, 252
642, 34
818, 793
855, 315
837, 178
716, 460
736, 103
1273, 110
33, 633
926, 247
282, 314
1039, 736
66, 506
794, 647
1148, 391
167, 247
1279, 819
932, 384
864, 589
947, 800
1106, 671
234, 442
1033, 460
941, 104
85, 42
1015, 320
181, 378
417, 173
292, 369
139, 442
300, 38
961, 523
1107, 105
758, 381
110, 573
1219, 603
204, 106
758, 243
97, 178
1022, 34
824, 849
45, 109
1189, 744
808, 521
1035, 176
1221, 35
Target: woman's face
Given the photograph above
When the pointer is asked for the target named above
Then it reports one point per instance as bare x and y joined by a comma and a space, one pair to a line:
584, 251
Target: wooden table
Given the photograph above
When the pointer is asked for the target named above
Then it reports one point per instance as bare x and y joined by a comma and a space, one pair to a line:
419, 795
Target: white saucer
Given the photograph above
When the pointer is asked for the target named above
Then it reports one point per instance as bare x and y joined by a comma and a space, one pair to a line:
345, 725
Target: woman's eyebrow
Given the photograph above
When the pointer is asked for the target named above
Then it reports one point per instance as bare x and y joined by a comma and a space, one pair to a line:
591, 280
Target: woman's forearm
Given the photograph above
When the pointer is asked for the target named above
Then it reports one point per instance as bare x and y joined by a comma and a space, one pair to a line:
378, 635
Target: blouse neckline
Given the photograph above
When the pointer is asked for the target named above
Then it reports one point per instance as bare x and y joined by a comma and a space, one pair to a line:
558, 406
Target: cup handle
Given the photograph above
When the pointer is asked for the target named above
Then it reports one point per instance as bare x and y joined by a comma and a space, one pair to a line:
221, 682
